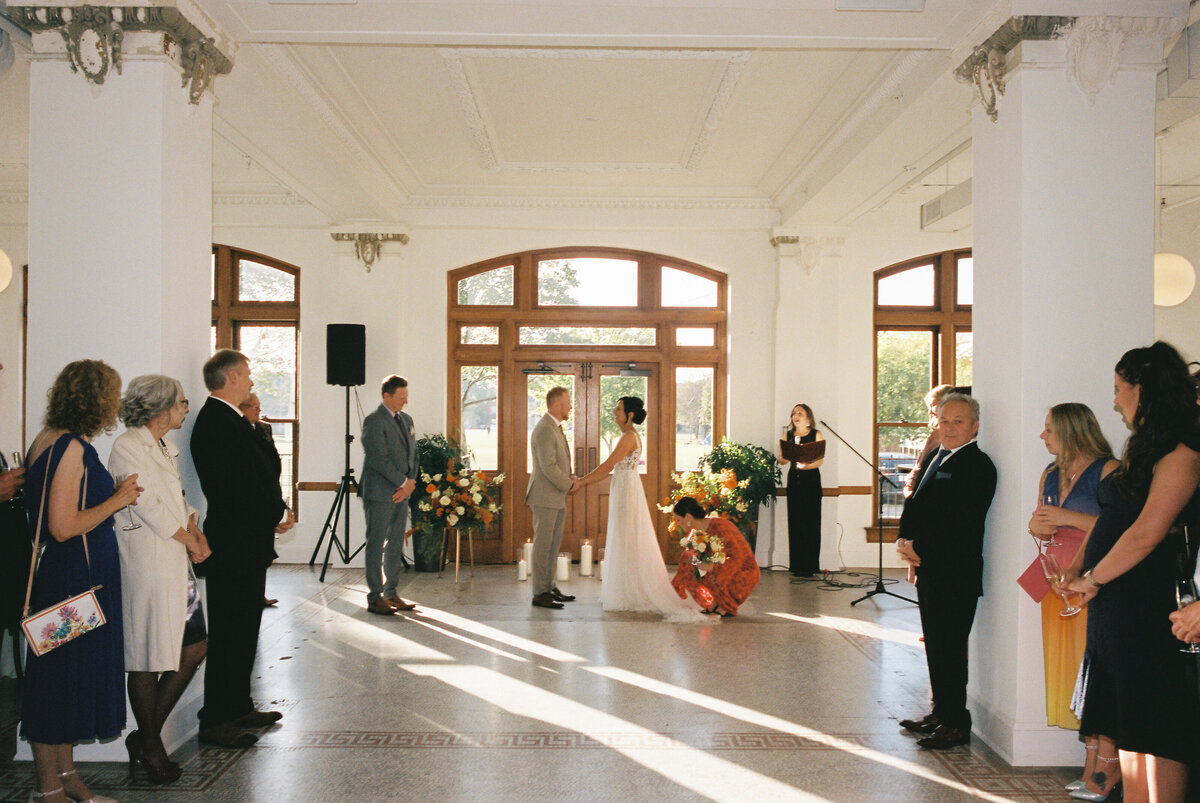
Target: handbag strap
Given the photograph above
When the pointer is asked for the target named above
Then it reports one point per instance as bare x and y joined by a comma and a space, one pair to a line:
37, 534
37, 537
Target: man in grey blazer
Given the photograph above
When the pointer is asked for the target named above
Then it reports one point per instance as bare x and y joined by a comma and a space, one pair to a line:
389, 475
550, 481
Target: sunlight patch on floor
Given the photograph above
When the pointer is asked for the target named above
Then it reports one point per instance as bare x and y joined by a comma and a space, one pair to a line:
495, 634
689, 767
749, 715
373, 640
855, 626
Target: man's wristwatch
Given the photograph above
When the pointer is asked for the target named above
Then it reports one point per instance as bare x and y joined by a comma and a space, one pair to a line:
1095, 583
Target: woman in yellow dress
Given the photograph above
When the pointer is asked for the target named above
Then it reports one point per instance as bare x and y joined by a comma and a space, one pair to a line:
1068, 506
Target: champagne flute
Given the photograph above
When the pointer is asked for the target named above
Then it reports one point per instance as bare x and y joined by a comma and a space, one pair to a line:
1053, 571
132, 525
1050, 500
1185, 595
18, 460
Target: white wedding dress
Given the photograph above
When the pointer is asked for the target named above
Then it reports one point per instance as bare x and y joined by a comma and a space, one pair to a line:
635, 577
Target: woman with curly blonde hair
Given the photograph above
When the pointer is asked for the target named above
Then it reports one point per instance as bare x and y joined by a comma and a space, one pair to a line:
75, 692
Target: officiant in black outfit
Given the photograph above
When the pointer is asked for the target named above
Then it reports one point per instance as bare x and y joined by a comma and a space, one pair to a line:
941, 536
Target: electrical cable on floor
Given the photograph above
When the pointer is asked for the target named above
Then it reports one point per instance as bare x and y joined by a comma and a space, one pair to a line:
830, 580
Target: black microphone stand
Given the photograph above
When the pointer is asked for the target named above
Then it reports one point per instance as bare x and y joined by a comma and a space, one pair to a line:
879, 589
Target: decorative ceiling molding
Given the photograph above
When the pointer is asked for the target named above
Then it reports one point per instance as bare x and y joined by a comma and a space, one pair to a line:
440, 202
368, 245
794, 251
468, 99
1094, 46
258, 199
94, 37
986, 67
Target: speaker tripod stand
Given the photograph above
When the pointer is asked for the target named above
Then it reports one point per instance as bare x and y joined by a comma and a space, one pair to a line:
879, 587
340, 505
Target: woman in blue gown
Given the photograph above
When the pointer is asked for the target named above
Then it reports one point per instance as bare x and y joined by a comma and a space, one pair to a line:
75, 692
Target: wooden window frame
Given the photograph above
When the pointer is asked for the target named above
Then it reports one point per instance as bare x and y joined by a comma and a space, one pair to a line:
945, 318
229, 313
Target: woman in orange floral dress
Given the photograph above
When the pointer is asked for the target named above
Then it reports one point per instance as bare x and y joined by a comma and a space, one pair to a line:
726, 585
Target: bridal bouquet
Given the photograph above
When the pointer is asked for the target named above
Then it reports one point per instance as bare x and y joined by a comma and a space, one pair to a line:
706, 550
458, 498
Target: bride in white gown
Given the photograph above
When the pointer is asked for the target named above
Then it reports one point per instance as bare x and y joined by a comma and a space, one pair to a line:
635, 577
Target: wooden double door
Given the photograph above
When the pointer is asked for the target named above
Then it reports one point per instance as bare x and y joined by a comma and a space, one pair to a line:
592, 434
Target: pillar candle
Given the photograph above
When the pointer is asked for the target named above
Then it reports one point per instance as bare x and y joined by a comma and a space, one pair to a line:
600, 566
585, 560
564, 567
522, 570
528, 551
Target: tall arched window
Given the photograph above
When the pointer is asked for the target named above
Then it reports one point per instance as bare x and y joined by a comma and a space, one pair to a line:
922, 339
256, 310
604, 323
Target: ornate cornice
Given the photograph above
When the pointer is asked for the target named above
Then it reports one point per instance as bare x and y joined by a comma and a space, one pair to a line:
95, 39
453, 58
1094, 46
367, 245
258, 199
464, 202
793, 250
986, 68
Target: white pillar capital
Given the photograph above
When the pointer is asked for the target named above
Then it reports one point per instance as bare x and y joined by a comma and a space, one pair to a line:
1090, 50
794, 250
96, 38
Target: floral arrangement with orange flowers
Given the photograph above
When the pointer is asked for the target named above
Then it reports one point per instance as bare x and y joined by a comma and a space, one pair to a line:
718, 492
458, 497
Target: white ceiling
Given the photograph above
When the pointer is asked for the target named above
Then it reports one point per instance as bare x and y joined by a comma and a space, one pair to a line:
365, 109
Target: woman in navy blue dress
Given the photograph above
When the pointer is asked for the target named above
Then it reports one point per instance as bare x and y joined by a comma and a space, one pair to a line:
1135, 679
75, 692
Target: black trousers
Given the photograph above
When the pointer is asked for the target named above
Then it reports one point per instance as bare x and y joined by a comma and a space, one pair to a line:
947, 615
235, 608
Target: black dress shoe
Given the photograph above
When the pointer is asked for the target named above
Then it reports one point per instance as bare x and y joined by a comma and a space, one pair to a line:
945, 737
546, 600
560, 596
925, 725
258, 719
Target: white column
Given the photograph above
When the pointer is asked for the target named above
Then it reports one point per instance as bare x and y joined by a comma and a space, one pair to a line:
120, 237
1064, 241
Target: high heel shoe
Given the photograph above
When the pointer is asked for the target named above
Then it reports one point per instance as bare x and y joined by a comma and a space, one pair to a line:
1083, 793
158, 775
35, 795
1079, 783
64, 776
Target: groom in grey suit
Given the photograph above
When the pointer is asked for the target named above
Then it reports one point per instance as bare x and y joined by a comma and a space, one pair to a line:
389, 475
550, 481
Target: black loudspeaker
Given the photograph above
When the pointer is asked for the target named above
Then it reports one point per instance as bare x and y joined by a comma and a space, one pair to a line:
345, 354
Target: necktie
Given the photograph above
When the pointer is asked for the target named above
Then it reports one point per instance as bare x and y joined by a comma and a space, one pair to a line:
933, 467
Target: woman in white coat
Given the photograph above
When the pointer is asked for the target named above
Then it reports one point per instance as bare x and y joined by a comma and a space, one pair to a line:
165, 636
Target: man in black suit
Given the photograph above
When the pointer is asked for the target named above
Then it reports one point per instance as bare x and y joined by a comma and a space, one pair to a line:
245, 511
941, 536
252, 409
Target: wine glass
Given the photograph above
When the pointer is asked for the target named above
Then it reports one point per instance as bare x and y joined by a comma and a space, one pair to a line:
132, 525
1053, 571
1050, 500
18, 460
1185, 595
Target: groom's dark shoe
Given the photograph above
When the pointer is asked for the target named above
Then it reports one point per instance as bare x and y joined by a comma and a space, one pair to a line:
546, 600
560, 596
925, 725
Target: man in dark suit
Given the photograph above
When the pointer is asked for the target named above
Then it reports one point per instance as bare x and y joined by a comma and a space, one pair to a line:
252, 409
941, 536
245, 511
389, 475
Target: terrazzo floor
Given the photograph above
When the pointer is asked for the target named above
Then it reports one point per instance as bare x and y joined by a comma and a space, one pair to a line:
477, 696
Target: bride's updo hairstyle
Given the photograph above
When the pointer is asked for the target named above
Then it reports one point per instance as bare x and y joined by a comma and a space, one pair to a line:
634, 405
687, 506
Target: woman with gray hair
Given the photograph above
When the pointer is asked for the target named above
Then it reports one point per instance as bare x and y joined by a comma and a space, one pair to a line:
165, 636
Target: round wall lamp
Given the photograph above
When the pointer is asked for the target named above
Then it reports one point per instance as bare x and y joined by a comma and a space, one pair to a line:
5, 271
1174, 279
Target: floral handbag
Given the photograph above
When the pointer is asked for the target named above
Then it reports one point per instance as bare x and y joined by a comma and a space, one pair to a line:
69, 619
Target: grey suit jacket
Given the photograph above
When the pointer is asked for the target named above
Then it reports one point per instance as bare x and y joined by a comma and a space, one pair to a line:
550, 475
390, 454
